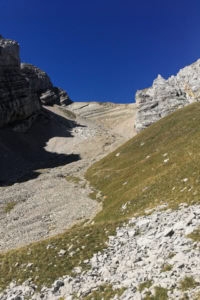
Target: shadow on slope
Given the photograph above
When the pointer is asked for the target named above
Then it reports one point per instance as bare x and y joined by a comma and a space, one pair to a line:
21, 154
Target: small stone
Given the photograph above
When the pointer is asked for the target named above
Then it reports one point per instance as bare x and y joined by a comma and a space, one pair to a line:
185, 180
168, 232
189, 219
62, 252
57, 285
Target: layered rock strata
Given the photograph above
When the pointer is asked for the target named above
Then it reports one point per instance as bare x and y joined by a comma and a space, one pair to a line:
23, 89
17, 99
41, 84
166, 96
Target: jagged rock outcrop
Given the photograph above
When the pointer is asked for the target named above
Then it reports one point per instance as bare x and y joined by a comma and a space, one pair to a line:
39, 80
41, 84
23, 89
55, 95
166, 96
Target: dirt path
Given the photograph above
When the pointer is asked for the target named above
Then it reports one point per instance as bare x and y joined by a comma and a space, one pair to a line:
44, 205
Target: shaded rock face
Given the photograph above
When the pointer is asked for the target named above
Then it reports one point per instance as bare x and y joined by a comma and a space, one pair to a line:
166, 96
55, 95
23, 89
9, 53
17, 100
41, 84
39, 80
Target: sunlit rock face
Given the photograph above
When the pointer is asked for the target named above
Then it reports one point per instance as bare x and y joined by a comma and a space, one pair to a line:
166, 96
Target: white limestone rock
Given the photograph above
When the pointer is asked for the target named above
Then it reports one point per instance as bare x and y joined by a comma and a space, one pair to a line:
166, 96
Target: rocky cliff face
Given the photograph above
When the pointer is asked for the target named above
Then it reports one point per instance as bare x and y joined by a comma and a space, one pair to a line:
17, 100
23, 89
166, 96
41, 84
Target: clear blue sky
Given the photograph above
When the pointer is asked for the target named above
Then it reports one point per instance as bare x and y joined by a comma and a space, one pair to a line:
104, 50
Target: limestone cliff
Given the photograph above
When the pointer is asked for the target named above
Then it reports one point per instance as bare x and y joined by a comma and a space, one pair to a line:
166, 96
17, 100
23, 89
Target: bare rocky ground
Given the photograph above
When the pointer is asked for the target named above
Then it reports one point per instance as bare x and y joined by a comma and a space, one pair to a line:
36, 200
150, 257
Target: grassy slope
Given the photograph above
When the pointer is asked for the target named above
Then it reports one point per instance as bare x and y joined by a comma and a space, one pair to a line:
140, 178
137, 179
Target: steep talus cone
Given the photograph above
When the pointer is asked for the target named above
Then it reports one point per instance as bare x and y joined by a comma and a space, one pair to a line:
166, 96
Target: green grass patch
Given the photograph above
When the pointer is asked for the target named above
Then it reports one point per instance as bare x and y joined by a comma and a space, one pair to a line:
171, 255
41, 260
93, 195
159, 165
73, 179
9, 206
160, 294
105, 292
188, 283
146, 284
166, 268
195, 235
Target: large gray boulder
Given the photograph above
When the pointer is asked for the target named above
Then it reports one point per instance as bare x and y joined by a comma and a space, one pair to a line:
166, 96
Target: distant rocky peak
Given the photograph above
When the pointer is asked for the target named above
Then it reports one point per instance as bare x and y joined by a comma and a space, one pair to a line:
159, 79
